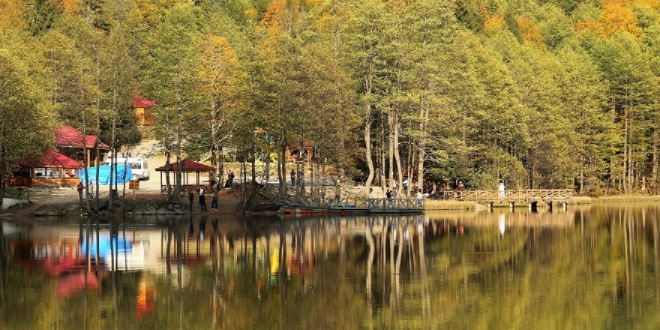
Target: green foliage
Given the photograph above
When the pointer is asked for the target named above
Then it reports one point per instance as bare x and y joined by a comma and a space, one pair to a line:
25, 114
42, 15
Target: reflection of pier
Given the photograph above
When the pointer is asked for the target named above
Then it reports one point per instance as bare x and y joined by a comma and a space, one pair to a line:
513, 218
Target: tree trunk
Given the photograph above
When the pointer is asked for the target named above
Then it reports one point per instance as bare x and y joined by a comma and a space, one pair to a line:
383, 164
654, 168
423, 123
367, 135
215, 151
397, 155
390, 152
281, 166
4, 172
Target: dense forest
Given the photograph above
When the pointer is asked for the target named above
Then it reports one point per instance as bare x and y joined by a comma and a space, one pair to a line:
537, 93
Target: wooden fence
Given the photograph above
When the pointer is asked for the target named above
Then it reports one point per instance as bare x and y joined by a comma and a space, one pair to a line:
516, 196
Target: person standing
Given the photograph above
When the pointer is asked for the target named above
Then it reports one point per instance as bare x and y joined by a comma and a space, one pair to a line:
501, 190
80, 190
90, 191
202, 199
230, 179
214, 202
191, 199
293, 178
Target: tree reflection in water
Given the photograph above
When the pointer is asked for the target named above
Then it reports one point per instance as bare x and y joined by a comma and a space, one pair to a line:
447, 270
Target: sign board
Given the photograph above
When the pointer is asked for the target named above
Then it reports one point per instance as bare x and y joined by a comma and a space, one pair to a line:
134, 184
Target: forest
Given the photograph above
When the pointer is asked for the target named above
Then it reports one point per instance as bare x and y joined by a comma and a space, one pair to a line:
535, 93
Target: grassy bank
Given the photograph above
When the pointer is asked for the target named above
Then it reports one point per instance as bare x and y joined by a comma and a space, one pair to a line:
628, 199
436, 204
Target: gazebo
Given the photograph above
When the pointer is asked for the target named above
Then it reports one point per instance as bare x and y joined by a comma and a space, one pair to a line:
186, 167
51, 169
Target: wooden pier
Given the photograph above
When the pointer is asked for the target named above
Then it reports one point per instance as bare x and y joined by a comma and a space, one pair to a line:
358, 207
531, 197
395, 205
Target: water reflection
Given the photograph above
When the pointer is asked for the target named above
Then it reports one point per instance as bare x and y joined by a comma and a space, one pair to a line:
507, 269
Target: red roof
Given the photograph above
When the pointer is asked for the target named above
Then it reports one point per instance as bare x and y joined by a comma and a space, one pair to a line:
143, 103
187, 165
68, 136
51, 159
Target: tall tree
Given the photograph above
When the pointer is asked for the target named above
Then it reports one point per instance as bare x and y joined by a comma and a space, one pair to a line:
173, 64
25, 120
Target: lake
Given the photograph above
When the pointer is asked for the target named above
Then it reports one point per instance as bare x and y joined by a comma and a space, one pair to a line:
595, 267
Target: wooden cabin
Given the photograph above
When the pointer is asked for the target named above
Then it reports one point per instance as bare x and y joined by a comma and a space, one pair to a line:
71, 143
143, 112
52, 169
299, 152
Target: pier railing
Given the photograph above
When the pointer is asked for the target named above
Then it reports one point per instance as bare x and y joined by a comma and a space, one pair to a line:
395, 203
517, 196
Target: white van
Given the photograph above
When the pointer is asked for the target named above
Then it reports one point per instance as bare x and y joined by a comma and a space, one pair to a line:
139, 167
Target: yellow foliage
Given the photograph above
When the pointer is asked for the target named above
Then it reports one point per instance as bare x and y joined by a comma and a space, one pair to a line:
616, 16
529, 31
314, 3
494, 22
282, 15
274, 17
11, 14
655, 4
222, 63
251, 13
70, 6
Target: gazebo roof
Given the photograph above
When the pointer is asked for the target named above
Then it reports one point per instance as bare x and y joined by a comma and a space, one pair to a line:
51, 159
187, 165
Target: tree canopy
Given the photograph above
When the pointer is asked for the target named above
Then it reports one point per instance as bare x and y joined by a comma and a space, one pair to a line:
538, 94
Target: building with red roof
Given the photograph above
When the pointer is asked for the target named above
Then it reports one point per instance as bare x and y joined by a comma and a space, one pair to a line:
71, 142
52, 169
143, 112
60, 168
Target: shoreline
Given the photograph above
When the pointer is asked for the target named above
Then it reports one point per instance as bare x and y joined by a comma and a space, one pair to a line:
150, 204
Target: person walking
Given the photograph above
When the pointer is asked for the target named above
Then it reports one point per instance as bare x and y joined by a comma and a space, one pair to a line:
80, 188
214, 202
202, 199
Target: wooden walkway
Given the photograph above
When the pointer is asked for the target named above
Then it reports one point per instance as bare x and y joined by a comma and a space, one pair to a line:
355, 206
517, 196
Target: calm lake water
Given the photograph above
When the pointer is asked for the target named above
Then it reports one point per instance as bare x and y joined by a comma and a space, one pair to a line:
585, 268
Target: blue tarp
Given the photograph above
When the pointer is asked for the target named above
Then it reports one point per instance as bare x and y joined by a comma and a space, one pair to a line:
123, 174
106, 245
